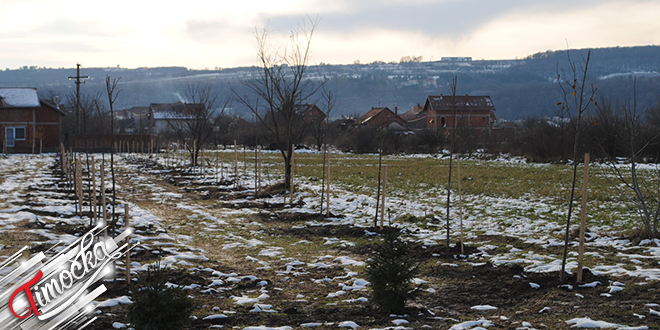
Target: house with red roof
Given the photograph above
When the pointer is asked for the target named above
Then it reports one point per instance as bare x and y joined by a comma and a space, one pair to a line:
25, 121
449, 112
383, 118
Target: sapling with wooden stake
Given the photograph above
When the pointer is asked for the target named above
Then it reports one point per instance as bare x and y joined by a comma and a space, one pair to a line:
259, 169
256, 170
128, 240
79, 185
94, 208
583, 216
577, 102
105, 211
453, 86
460, 200
383, 206
323, 180
236, 164
293, 166
327, 183
380, 165
111, 85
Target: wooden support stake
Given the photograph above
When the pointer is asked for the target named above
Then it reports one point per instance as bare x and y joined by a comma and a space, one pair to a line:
72, 167
236, 163
327, 184
201, 160
382, 208
460, 201
62, 156
103, 206
128, 239
76, 186
583, 216
259, 170
81, 192
293, 166
94, 204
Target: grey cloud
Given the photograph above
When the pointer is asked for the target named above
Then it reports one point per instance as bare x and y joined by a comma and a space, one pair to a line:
451, 19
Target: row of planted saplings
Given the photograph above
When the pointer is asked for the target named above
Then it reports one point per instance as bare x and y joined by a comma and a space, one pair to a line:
73, 170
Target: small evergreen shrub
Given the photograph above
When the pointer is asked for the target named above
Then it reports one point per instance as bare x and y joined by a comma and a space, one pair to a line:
391, 271
156, 306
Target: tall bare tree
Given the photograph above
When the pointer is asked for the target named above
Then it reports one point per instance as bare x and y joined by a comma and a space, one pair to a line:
111, 86
452, 145
194, 119
577, 99
281, 87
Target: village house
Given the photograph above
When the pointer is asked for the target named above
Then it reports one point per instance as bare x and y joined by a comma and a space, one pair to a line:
469, 111
383, 118
311, 113
153, 119
25, 121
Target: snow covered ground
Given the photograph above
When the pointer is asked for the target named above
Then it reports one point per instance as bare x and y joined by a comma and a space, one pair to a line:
248, 265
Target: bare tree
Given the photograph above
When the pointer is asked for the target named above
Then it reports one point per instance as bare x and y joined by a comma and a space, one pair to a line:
575, 103
452, 137
194, 119
639, 187
280, 88
111, 85
40, 134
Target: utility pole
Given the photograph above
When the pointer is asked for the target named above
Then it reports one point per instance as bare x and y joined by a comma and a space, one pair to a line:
78, 82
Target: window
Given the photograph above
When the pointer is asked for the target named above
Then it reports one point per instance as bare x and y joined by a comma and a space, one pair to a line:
19, 133
442, 122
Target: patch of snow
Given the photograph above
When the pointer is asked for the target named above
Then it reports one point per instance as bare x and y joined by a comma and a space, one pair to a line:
348, 324
124, 300
471, 324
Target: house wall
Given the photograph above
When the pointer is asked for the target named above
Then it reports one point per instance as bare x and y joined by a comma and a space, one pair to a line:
46, 119
476, 119
314, 115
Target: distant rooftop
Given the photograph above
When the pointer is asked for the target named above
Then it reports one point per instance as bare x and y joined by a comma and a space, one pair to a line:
19, 97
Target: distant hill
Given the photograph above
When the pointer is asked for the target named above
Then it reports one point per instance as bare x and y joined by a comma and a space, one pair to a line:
519, 88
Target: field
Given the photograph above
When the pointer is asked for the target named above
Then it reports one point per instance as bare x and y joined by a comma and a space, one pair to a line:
261, 262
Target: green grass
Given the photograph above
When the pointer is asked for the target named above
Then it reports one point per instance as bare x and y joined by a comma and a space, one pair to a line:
413, 178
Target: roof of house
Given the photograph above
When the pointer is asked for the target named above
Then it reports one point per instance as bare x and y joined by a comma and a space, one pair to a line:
374, 112
19, 97
52, 106
172, 116
165, 107
371, 114
412, 112
469, 102
139, 110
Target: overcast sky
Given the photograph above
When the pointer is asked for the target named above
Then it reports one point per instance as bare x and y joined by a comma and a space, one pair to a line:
218, 33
